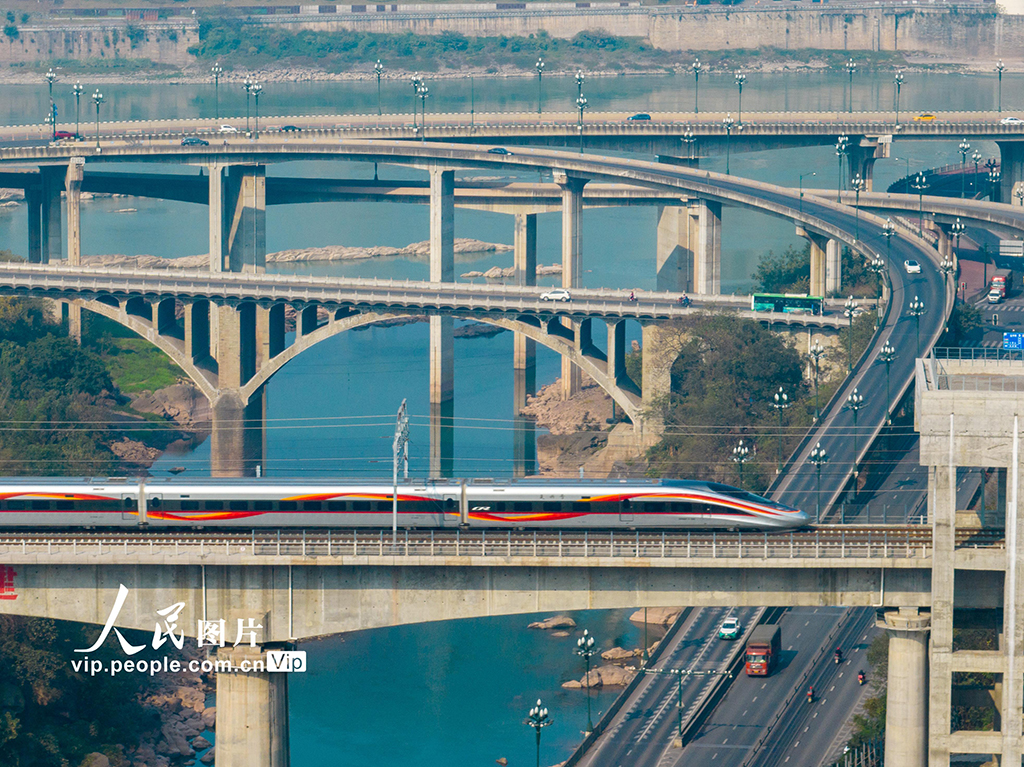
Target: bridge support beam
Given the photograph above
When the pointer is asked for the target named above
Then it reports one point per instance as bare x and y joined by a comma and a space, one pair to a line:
236, 435
675, 255
942, 514
73, 188
34, 204
572, 256
442, 269
661, 346
52, 247
861, 156
705, 237
252, 713
1011, 169
525, 256
826, 263
218, 253
906, 712
442, 438
245, 202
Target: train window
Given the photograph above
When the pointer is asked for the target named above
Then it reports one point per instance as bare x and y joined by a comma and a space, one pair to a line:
154, 503
311, 505
552, 506
15, 505
335, 505
384, 505
238, 505
190, 505
65, 505
213, 505
360, 505
581, 507
129, 503
654, 508
522, 506
40, 505
499, 506
288, 506
263, 505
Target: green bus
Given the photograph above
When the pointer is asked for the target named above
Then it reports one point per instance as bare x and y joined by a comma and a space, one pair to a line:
787, 303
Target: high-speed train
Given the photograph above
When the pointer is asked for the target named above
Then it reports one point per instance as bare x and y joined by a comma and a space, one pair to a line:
522, 503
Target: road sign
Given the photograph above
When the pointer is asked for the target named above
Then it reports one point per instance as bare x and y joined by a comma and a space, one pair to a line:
1013, 340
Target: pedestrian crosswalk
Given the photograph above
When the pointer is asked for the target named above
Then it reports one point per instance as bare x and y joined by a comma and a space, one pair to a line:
988, 343
997, 308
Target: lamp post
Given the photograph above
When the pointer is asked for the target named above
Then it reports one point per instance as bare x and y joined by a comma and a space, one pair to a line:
51, 78
423, 91
916, 309
976, 157
689, 139
539, 66
740, 455
78, 90
919, 185
819, 458
816, 352
780, 404
581, 104
696, 66
887, 355
97, 99
247, 85
216, 70
994, 177
1019, 194
740, 79
842, 145
580, 78
956, 231
416, 83
257, 89
947, 268
898, 82
888, 232
851, 67
727, 121
999, 70
965, 147
857, 184
854, 402
538, 719
802, 175
585, 649
877, 265
378, 70
849, 308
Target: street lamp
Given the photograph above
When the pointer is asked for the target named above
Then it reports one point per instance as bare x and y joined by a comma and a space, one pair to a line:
851, 67
416, 83
78, 90
378, 70
849, 309
974, 182
1019, 194
817, 351
585, 649
579, 82
538, 719
727, 121
740, 79
423, 91
51, 78
696, 66
854, 402
947, 268
994, 178
888, 232
780, 404
740, 455
802, 175
257, 89
999, 70
97, 98
898, 82
581, 104
965, 147
887, 354
216, 70
919, 185
842, 146
539, 66
916, 309
877, 265
689, 139
857, 184
819, 458
956, 231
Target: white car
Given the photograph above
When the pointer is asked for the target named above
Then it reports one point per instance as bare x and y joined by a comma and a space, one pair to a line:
1011, 121
227, 129
912, 266
558, 294
730, 629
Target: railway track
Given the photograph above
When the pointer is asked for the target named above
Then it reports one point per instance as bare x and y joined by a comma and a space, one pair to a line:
828, 541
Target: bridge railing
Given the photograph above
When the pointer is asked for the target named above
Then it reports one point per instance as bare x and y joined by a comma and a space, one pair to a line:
976, 353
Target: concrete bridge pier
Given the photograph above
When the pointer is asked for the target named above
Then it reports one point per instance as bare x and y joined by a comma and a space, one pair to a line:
34, 204
705, 236
525, 258
442, 438
73, 189
572, 257
51, 245
442, 269
237, 439
675, 255
826, 263
861, 156
906, 712
661, 346
252, 712
1011, 169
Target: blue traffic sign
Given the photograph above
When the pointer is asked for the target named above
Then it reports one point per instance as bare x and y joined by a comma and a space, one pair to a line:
1013, 340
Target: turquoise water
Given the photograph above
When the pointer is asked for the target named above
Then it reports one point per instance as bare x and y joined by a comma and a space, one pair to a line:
458, 692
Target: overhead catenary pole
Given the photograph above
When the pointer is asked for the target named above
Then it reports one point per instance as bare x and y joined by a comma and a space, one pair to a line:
400, 446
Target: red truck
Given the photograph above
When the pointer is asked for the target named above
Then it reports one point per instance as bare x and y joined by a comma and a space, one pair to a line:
763, 648
1002, 284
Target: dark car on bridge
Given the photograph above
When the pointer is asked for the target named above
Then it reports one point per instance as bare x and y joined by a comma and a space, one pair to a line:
194, 141
290, 128
640, 116
65, 134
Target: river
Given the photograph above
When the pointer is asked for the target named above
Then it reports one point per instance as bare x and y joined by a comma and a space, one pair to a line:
458, 692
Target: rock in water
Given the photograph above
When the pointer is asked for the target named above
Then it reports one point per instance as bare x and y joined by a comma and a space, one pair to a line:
658, 616
554, 622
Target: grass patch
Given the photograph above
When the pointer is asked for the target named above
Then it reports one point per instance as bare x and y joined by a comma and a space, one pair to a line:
138, 366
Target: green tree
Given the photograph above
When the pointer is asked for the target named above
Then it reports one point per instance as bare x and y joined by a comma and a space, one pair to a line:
789, 272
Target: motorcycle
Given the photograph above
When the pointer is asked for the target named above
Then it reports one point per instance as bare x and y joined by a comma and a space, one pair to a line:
861, 678
838, 657
632, 296
684, 301
810, 695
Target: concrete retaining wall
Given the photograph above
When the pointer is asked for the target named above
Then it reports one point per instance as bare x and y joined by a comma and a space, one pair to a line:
163, 43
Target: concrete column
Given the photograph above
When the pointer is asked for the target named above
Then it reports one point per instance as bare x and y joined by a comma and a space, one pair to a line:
861, 156
675, 256
73, 189
305, 321
236, 345
819, 244
906, 711
942, 514
197, 330
442, 225
661, 346
252, 713
442, 359
1011, 705
705, 235
218, 253
525, 255
246, 218
833, 267
442, 438
34, 203
166, 321
52, 248
572, 254
275, 331
524, 437
236, 434
1011, 169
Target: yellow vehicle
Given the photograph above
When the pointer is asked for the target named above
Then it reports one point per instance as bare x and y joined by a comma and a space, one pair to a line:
927, 117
